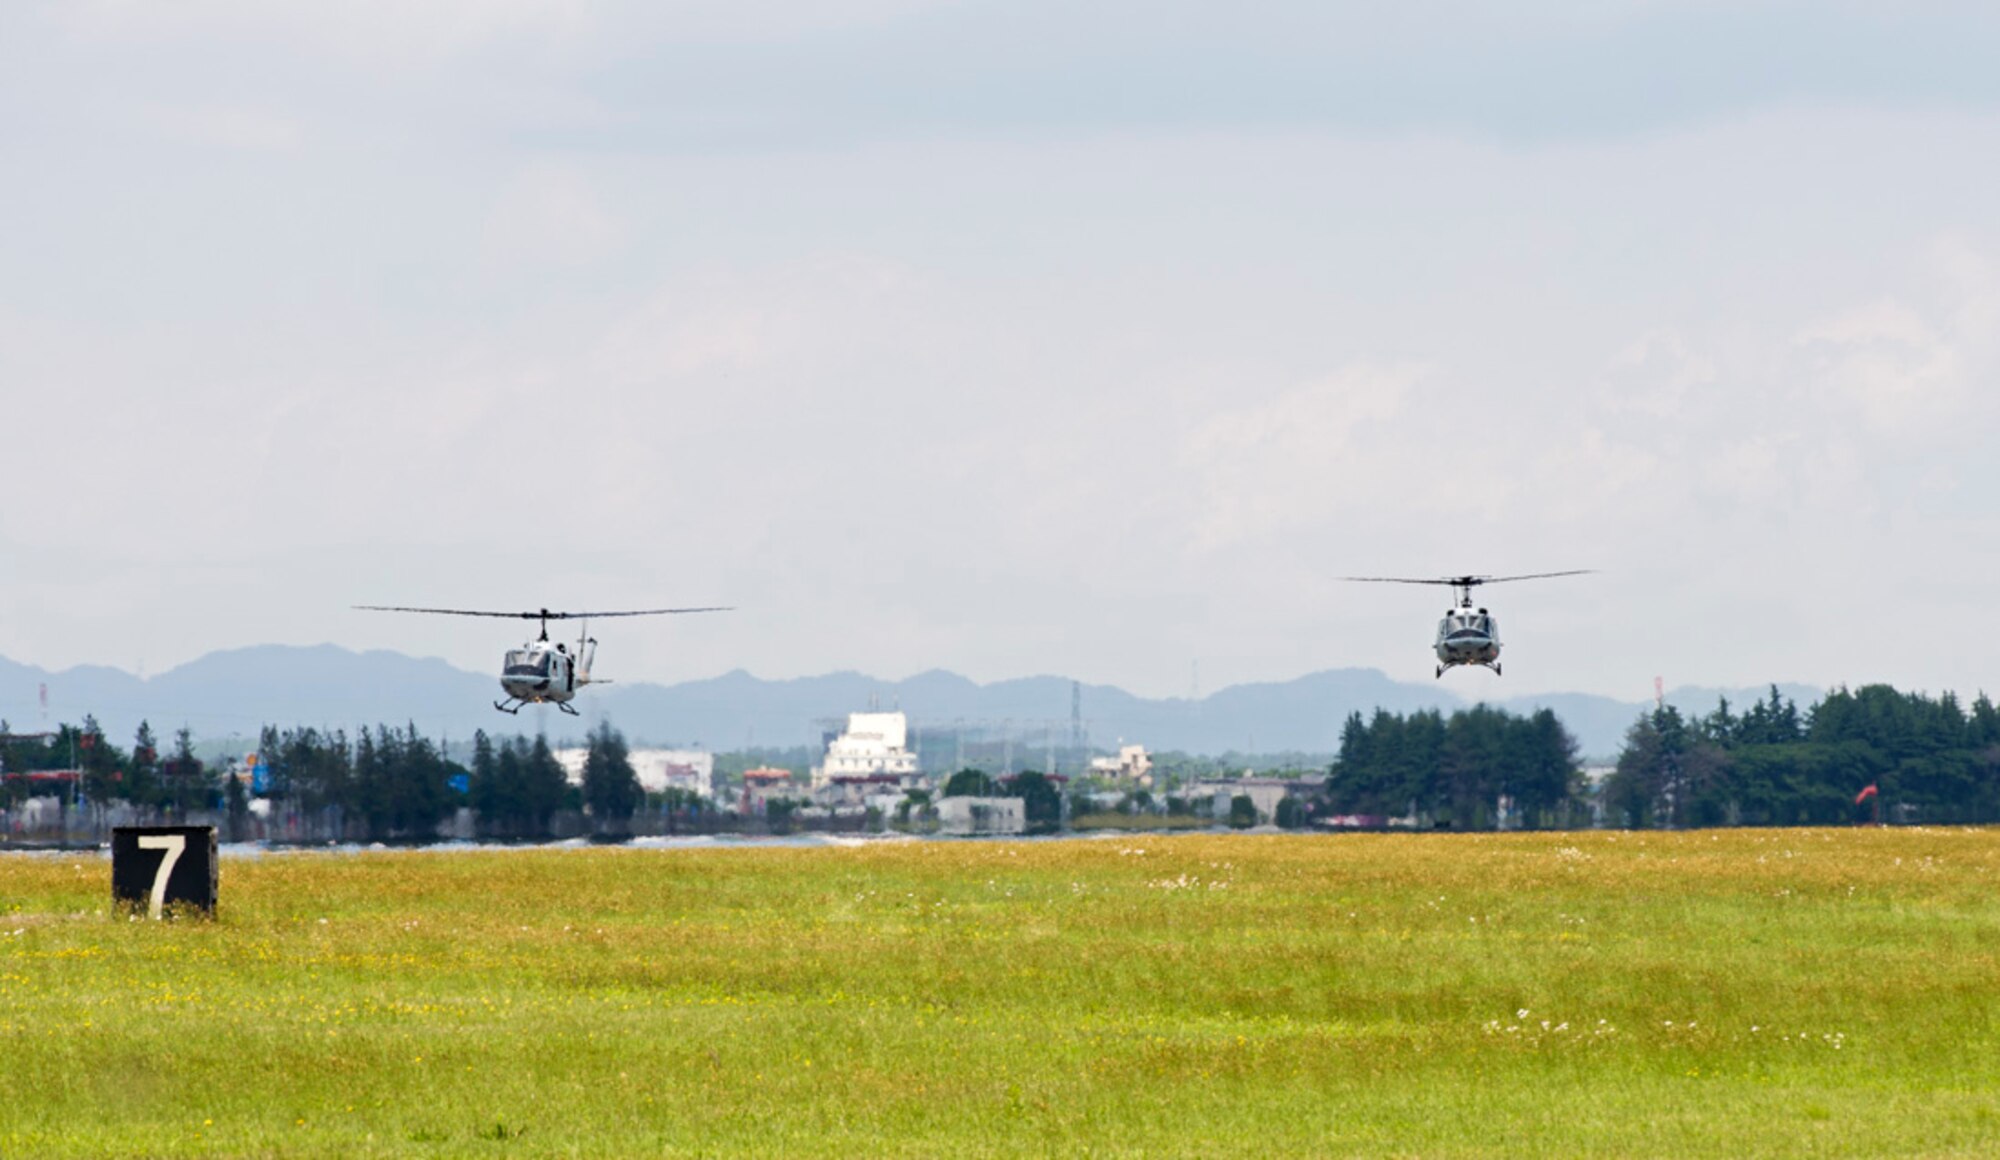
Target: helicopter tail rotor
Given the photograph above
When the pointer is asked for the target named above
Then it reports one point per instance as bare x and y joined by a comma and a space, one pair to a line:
586, 656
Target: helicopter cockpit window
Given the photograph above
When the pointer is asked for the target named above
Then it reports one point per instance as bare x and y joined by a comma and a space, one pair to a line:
526, 663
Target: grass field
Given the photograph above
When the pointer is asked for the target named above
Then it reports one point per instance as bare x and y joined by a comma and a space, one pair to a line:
1742, 993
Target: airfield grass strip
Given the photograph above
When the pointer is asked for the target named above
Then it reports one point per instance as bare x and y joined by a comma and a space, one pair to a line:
1794, 992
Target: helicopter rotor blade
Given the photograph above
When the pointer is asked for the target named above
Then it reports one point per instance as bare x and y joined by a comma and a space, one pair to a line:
447, 611
1466, 581
637, 612
1535, 576
538, 614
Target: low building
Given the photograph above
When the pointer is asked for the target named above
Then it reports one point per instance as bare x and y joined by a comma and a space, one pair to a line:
969, 816
689, 770
763, 786
1264, 793
880, 791
658, 770
1132, 764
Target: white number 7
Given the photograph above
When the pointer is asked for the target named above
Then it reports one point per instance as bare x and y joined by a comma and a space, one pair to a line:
173, 844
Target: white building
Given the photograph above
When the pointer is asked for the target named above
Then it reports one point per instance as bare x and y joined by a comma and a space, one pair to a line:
1131, 764
658, 770
966, 816
873, 745
1264, 793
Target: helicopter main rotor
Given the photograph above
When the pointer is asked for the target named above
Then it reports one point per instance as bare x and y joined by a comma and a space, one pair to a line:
541, 614
1463, 585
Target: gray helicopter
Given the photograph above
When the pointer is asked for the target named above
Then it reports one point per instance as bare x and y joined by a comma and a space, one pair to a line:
1466, 635
539, 672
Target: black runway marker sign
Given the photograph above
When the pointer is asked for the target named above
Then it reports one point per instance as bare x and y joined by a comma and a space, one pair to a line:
164, 870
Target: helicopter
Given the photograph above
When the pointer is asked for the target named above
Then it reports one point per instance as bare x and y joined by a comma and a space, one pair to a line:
539, 673
1466, 635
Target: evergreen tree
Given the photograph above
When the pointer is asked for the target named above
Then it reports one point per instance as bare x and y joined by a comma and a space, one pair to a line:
102, 765
969, 783
185, 782
1545, 778
1041, 803
1983, 728
545, 786
237, 801
365, 795
268, 747
141, 783
508, 811
485, 795
610, 789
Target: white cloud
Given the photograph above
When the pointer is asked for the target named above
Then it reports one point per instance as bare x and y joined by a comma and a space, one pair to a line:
1887, 360
225, 126
373, 30
1292, 460
404, 35
550, 214
1655, 374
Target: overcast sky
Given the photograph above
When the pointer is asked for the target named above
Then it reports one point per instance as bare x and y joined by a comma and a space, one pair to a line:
1010, 337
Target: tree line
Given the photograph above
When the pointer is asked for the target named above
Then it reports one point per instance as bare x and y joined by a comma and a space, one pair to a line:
173, 783
1861, 754
1458, 771
1856, 755
396, 783
380, 783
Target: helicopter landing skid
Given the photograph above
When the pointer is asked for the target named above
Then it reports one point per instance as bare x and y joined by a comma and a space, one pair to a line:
566, 707
509, 706
1494, 665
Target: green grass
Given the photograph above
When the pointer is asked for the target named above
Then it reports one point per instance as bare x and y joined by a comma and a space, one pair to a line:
1741, 994
1138, 823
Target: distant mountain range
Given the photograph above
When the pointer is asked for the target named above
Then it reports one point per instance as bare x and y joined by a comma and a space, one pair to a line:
234, 692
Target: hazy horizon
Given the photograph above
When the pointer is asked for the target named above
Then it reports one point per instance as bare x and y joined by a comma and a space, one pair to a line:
235, 693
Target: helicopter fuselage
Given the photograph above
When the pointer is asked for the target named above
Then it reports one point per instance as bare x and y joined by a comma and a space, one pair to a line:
540, 673
1468, 636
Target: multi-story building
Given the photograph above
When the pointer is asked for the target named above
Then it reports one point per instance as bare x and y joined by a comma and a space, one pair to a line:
1132, 764
872, 745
